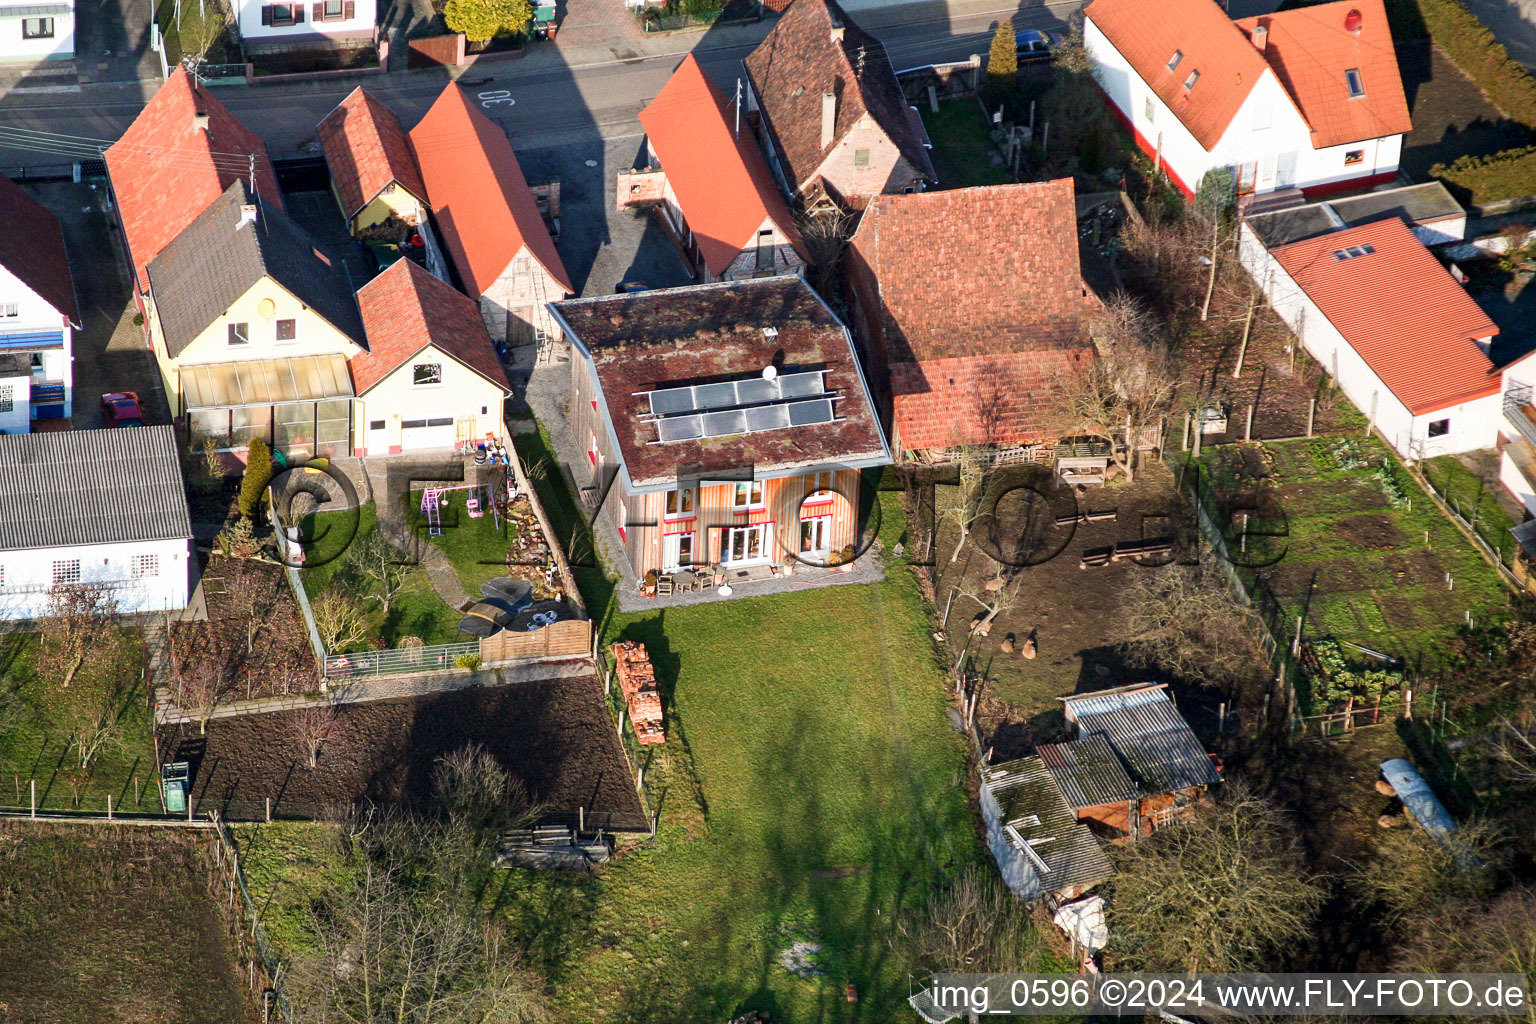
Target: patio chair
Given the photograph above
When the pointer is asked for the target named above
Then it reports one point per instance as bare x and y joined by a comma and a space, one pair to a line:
705, 578
665, 586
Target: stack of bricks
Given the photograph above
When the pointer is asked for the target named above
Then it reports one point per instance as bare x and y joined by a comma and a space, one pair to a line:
637, 681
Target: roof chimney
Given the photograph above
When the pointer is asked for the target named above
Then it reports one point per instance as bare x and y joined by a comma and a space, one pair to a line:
247, 216
200, 120
837, 29
1260, 37
828, 118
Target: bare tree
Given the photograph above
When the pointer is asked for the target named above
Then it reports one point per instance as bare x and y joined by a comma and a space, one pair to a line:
202, 670
312, 726
103, 690
825, 233
970, 500
381, 566
340, 620
1184, 620
1129, 387
974, 926
1477, 935
1514, 752
1412, 876
1226, 891
78, 619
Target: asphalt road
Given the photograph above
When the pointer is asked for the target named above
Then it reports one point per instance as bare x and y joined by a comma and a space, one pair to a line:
550, 103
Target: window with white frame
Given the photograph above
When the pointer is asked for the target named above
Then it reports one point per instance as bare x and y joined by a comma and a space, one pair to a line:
287, 330
1439, 428
1263, 116
680, 503
749, 494
146, 566
37, 28
818, 488
66, 571
239, 334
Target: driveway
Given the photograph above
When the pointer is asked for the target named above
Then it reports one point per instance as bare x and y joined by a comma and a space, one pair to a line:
109, 349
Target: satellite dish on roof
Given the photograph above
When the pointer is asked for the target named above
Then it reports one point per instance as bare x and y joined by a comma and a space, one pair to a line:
770, 372
266, 308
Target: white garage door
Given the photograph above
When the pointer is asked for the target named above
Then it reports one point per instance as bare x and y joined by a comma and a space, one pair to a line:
433, 432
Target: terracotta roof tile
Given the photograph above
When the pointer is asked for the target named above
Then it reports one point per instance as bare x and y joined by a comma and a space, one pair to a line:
719, 175
1148, 33
165, 170
32, 248
800, 60
367, 150
1310, 49
1400, 310
707, 333
1007, 398
405, 309
480, 199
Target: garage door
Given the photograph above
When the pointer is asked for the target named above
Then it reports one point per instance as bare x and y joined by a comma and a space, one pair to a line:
434, 432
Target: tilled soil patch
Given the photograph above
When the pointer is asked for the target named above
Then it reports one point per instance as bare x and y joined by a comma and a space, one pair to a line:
555, 735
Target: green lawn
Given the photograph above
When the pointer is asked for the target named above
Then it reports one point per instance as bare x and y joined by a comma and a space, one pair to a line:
476, 547
1365, 552
1473, 498
416, 611
195, 33
34, 743
962, 145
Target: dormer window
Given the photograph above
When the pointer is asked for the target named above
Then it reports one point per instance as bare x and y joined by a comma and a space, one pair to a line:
1355, 82
1194, 76
1173, 62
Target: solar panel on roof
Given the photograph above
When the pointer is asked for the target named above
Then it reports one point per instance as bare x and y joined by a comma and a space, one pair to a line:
767, 417
757, 390
804, 414
801, 385
679, 428
671, 401
727, 421
715, 396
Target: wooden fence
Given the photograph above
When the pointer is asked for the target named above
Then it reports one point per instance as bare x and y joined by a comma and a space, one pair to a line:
569, 638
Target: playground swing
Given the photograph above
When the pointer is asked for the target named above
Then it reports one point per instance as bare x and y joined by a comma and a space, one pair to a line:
434, 499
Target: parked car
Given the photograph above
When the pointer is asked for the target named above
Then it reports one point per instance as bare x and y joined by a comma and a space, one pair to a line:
121, 408
1034, 45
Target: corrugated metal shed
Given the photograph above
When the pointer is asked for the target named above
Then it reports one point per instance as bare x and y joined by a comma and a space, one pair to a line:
91, 487
1087, 772
1042, 825
1147, 731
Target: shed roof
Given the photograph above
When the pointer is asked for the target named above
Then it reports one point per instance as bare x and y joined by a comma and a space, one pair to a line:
815, 49
718, 174
200, 274
180, 154
1310, 49
91, 487
1088, 772
405, 309
367, 150
1033, 805
1427, 203
32, 248
720, 333
1400, 310
1147, 731
481, 202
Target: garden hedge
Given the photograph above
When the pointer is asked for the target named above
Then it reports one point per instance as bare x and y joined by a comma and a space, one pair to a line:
1470, 43
1488, 179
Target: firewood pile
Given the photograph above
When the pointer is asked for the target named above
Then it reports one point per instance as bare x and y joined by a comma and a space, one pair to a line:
637, 681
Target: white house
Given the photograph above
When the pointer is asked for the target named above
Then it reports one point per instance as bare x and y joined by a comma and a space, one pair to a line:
1309, 98
1404, 341
31, 32
103, 507
37, 312
265, 25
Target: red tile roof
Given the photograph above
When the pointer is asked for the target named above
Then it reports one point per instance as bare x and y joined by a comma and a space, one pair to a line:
32, 248
982, 301
718, 173
367, 150
1400, 310
480, 199
800, 60
1148, 32
1309, 49
165, 170
405, 309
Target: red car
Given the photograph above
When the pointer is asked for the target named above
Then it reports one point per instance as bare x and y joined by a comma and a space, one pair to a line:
121, 408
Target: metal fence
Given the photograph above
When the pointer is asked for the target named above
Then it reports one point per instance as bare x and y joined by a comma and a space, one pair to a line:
227, 858
399, 660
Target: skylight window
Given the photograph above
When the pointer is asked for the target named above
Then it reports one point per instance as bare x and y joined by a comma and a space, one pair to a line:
1355, 82
1355, 250
1173, 62
1194, 76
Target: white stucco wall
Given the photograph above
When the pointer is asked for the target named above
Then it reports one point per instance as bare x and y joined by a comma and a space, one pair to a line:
15, 49
26, 577
248, 14
1473, 425
1281, 153
33, 315
474, 402
17, 418
1515, 482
